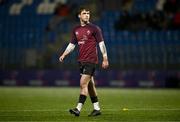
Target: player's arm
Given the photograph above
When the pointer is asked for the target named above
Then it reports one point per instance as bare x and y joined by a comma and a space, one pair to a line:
69, 49
103, 50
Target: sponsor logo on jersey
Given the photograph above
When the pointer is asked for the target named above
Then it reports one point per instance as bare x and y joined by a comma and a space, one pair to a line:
76, 32
81, 42
88, 32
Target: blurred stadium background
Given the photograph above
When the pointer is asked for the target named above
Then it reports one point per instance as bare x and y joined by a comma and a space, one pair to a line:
142, 38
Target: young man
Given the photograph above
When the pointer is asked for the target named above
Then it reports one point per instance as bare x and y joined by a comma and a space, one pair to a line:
87, 36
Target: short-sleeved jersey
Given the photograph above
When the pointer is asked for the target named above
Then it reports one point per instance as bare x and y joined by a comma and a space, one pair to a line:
87, 38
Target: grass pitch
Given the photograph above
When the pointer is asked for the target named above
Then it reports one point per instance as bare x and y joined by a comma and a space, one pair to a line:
52, 104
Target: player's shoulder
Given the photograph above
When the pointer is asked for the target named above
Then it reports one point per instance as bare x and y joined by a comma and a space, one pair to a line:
94, 26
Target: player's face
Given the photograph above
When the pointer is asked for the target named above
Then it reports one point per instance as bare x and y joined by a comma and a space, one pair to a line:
84, 16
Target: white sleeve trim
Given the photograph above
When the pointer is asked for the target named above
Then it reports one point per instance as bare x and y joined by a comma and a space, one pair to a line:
103, 48
70, 47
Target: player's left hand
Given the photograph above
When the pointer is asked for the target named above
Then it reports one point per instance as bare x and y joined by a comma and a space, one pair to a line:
105, 64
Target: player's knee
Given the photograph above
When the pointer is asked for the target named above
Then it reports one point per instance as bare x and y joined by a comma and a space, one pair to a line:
84, 90
83, 85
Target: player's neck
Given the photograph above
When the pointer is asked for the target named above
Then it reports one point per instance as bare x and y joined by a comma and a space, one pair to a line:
84, 23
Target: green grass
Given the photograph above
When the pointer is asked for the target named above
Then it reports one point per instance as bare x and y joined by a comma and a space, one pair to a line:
52, 104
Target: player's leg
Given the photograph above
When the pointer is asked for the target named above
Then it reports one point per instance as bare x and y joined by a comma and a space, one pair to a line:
86, 71
94, 99
83, 90
84, 81
83, 94
85, 78
91, 88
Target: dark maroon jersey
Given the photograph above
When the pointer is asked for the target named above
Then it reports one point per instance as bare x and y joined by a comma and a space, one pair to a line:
87, 38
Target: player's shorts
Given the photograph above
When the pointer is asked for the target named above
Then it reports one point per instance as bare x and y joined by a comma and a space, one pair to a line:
87, 68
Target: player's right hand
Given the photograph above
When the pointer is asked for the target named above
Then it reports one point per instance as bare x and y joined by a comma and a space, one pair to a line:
105, 64
61, 58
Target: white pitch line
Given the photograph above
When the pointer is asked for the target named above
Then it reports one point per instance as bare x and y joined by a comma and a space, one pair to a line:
144, 109
156, 109
28, 110
120, 109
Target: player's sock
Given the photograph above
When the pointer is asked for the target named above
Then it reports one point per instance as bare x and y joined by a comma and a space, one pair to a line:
95, 102
82, 99
79, 106
96, 106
